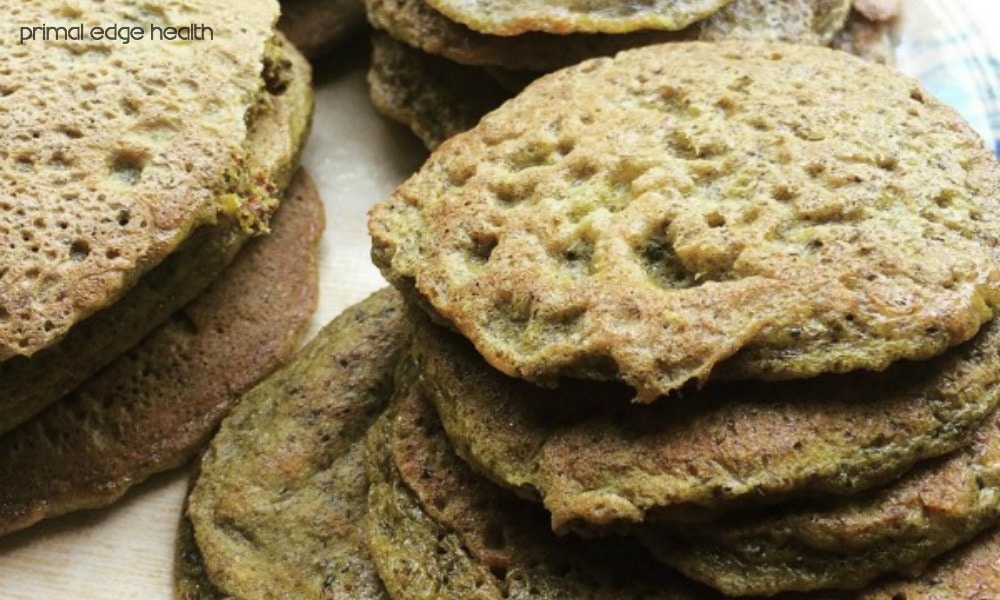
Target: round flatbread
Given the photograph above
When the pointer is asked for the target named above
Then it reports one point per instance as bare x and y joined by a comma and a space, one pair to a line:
277, 134
277, 508
646, 218
437, 530
114, 153
420, 26
594, 459
153, 408
514, 17
847, 543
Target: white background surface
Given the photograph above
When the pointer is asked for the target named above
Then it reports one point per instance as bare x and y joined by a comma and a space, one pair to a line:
357, 158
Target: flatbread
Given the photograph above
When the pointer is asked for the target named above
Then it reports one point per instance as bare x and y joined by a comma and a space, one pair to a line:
848, 543
278, 505
316, 26
422, 27
113, 153
437, 98
798, 21
514, 17
646, 218
432, 96
276, 138
595, 459
437, 530
154, 407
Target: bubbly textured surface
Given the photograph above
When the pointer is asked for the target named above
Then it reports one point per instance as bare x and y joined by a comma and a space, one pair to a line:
436, 530
800, 21
434, 97
278, 505
650, 216
275, 139
420, 26
595, 459
513, 17
113, 153
315, 26
151, 409
848, 543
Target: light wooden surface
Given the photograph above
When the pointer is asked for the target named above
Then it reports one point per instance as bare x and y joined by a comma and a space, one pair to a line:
357, 158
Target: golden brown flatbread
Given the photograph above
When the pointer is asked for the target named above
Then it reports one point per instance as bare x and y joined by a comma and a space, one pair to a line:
113, 153
276, 137
691, 208
155, 406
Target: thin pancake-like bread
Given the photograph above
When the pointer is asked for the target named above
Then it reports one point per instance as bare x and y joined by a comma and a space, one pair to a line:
151, 409
437, 98
278, 505
437, 530
432, 96
316, 26
847, 543
276, 137
594, 458
645, 218
422, 27
112, 154
799, 21
514, 17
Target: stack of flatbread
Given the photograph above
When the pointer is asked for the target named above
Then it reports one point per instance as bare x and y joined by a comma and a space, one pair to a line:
138, 280
439, 65
702, 320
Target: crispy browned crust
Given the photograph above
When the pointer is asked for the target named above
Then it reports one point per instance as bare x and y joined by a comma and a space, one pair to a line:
649, 217
151, 409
